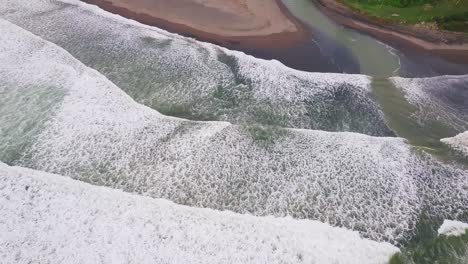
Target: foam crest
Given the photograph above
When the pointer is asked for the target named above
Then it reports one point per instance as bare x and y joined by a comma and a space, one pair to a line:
458, 142
53, 219
377, 186
443, 98
452, 228
182, 77
27, 99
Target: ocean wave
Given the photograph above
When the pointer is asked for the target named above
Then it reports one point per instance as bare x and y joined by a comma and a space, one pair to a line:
183, 77
53, 219
458, 143
378, 186
442, 99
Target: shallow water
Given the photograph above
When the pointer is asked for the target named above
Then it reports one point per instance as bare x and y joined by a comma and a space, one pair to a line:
372, 57
356, 52
199, 81
440, 109
100, 135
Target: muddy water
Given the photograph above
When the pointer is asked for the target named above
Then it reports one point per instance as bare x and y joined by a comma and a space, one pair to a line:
372, 56
355, 52
400, 115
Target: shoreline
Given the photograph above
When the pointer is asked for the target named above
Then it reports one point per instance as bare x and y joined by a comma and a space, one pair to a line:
275, 40
296, 50
451, 46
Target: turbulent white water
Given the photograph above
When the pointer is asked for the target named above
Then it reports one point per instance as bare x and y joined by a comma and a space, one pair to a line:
458, 142
443, 98
49, 218
183, 77
96, 133
453, 228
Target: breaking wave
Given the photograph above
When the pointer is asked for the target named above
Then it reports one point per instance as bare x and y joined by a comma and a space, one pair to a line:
47, 218
443, 99
458, 143
95, 132
185, 78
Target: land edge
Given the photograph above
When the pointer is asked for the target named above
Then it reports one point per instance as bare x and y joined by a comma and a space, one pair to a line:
273, 41
452, 46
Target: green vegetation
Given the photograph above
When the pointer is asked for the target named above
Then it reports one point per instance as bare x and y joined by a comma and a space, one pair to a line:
444, 14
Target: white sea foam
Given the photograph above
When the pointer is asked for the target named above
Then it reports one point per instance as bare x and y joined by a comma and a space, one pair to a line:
181, 76
27, 99
459, 142
51, 219
443, 98
98, 134
453, 228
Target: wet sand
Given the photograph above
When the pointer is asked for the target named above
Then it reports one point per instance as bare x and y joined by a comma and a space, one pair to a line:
290, 41
242, 23
222, 17
448, 45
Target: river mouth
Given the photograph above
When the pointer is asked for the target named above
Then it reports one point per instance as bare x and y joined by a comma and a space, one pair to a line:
405, 119
320, 45
355, 52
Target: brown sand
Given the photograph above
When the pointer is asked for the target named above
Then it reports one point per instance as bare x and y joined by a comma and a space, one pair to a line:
243, 23
450, 45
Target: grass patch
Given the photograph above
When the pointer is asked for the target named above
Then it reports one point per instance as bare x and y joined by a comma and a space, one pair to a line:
446, 14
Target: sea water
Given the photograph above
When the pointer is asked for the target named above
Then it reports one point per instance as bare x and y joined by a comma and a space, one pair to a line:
379, 186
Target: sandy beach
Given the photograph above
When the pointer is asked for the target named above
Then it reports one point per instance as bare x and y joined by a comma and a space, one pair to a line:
244, 23
221, 17
267, 29
262, 28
